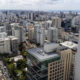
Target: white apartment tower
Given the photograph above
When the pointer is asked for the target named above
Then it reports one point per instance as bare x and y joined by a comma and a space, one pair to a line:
52, 34
77, 62
39, 34
19, 32
42, 36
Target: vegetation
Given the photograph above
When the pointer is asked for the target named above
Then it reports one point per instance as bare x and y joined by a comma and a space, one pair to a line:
16, 70
21, 64
38, 44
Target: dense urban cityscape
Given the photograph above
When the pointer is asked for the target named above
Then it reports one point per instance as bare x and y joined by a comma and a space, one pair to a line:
39, 45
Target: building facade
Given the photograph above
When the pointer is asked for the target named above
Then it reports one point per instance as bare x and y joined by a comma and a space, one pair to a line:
60, 69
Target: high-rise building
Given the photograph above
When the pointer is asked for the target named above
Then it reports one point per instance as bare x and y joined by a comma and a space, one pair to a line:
48, 24
31, 34
60, 69
52, 34
56, 22
39, 34
31, 16
37, 63
5, 45
3, 34
42, 36
19, 32
73, 47
2, 29
77, 62
76, 23
54, 65
13, 44
36, 29
9, 45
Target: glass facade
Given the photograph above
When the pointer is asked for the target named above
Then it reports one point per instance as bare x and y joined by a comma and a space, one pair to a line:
38, 70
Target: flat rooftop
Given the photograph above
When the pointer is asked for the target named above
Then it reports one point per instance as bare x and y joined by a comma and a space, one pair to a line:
69, 44
18, 58
41, 55
14, 24
13, 37
8, 38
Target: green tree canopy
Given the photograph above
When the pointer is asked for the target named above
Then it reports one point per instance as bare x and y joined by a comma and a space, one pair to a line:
21, 64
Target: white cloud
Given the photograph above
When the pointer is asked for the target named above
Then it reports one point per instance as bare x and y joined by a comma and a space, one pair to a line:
40, 4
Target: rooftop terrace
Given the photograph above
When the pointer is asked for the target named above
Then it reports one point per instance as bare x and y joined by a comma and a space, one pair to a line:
41, 55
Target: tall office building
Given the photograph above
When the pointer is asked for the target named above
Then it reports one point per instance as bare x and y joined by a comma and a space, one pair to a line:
2, 29
3, 34
9, 45
9, 30
56, 22
5, 45
31, 16
52, 34
39, 34
60, 69
36, 29
13, 44
76, 23
77, 62
48, 24
31, 34
19, 32
73, 47
42, 36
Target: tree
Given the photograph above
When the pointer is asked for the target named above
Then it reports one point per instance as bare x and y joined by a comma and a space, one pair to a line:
17, 72
11, 66
6, 60
24, 54
21, 64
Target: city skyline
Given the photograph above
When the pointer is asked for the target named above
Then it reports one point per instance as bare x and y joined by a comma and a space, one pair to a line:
45, 5
39, 45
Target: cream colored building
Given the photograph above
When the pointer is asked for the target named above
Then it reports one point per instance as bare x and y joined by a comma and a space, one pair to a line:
31, 34
56, 22
60, 69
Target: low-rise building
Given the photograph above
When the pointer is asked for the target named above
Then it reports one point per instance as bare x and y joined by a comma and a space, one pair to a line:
17, 58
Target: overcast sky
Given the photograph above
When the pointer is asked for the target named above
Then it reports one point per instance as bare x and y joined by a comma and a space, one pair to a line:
40, 4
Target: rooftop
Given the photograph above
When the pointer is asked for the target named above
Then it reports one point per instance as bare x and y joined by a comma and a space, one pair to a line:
18, 58
8, 38
69, 44
52, 28
41, 55
12, 37
14, 24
